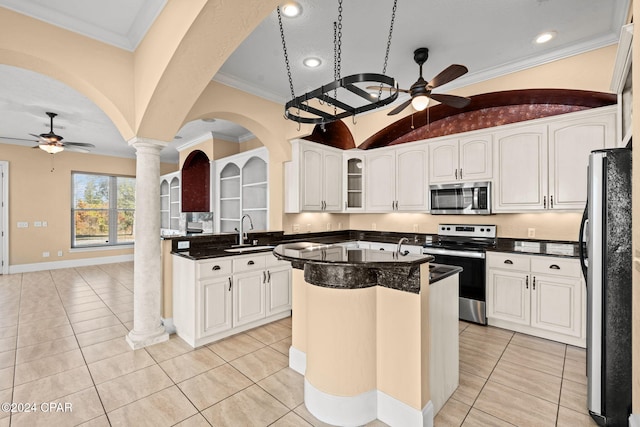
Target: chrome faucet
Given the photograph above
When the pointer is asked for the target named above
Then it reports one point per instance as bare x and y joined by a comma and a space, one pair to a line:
242, 236
399, 248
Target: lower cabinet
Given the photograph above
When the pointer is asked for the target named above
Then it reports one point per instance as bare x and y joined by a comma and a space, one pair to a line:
537, 295
219, 297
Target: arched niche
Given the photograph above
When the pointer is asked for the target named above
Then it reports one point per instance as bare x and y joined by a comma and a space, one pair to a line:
196, 183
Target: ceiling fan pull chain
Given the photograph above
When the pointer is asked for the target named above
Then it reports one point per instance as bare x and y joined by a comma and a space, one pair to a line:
286, 56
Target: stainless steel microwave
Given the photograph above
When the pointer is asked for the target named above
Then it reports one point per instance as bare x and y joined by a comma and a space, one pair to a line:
465, 198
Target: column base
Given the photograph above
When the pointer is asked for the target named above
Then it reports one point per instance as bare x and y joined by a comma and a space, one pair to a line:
139, 340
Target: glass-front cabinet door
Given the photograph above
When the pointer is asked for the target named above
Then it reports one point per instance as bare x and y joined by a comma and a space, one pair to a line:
354, 182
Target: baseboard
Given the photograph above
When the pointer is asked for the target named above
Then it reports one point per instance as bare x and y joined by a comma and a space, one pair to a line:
69, 263
396, 413
297, 360
341, 410
529, 330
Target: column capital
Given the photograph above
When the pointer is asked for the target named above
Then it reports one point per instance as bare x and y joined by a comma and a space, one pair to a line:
139, 142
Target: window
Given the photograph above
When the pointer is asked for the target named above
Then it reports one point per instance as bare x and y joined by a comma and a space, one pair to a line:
102, 210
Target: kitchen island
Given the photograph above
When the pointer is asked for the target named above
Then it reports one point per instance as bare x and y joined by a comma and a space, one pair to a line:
373, 336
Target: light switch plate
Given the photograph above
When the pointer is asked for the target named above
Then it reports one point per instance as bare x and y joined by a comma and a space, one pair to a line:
22, 224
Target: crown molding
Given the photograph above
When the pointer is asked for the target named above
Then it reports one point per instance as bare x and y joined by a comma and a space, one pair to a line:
623, 59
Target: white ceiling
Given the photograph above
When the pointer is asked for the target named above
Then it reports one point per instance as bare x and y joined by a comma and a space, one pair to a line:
490, 37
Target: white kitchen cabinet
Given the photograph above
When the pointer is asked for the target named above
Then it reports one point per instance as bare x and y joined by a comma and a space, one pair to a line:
396, 179
215, 298
461, 159
537, 295
521, 178
170, 201
313, 178
544, 166
354, 167
570, 142
242, 187
248, 297
278, 290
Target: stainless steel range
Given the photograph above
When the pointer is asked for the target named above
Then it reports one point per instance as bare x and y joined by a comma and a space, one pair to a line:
464, 245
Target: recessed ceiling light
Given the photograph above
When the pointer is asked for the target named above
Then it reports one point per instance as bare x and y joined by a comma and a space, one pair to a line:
177, 137
209, 120
545, 37
312, 62
291, 9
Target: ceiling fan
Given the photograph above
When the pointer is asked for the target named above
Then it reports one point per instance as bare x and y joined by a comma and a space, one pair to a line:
420, 91
52, 143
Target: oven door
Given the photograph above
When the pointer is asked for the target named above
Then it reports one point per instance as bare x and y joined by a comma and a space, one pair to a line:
472, 281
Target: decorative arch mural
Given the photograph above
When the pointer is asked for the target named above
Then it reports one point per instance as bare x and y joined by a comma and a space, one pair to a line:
196, 183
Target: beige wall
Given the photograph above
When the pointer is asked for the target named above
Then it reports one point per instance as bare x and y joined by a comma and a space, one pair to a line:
36, 193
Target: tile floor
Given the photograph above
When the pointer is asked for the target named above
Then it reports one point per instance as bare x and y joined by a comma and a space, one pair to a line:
62, 343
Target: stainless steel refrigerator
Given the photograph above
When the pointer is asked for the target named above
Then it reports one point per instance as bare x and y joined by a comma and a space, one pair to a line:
607, 264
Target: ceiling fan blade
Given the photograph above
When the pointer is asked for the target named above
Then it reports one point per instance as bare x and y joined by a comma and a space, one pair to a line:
78, 144
75, 149
399, 108
450, 73
17, 139
390, 89
451, 100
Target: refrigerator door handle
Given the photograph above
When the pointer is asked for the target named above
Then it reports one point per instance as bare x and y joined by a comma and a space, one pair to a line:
581, 241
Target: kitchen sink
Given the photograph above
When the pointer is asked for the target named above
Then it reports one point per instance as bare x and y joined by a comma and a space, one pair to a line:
249, 249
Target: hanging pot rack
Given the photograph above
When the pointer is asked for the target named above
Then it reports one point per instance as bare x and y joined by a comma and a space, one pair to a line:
297, 105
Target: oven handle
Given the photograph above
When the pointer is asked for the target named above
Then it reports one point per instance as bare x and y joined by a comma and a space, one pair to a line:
463, 254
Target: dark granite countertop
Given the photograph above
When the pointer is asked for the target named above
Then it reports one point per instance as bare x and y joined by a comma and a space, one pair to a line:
334, 266
538, 247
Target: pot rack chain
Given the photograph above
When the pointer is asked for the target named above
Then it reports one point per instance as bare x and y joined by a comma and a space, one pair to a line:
286, 56
386, 54
301, 102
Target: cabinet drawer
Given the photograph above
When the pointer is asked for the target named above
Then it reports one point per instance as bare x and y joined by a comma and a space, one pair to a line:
507, 261
214, 268
249, 263
555, 266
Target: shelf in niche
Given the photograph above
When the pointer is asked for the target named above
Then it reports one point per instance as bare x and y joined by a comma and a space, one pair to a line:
255, 184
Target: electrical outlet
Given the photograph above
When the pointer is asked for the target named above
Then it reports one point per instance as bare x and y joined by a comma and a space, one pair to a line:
328, 226
374, 226
23, 224
339, 226
44, 223
295, 228
37, 223
59, 253
416, 228
45, 254
531, 232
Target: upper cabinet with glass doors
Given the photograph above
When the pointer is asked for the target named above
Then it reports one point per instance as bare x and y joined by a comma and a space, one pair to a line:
354, 182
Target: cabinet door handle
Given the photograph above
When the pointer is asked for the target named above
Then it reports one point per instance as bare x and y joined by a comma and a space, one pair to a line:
551, 197
230, 283
215, 268
544, 202
554, 267
345, 205
250, 262
382, 249
264, 277
534, 283
268, 276
526, 283
508, 261
396, 205
456, 173
460, 173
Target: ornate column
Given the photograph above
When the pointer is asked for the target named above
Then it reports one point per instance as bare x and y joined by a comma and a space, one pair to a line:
147, 275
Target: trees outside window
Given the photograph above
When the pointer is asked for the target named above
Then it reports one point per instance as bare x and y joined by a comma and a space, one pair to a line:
102, 210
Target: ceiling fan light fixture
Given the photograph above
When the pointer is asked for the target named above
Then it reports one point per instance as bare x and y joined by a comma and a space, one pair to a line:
51, 148
420, 102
